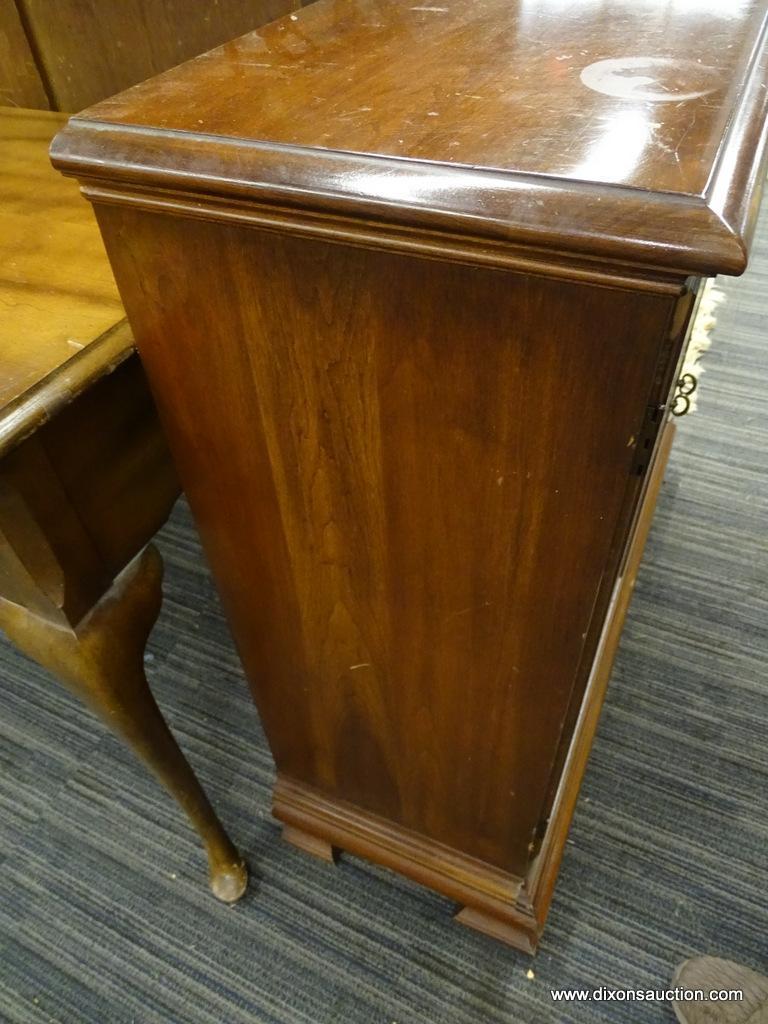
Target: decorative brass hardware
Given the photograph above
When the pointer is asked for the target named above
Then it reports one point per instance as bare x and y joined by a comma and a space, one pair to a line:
681, 403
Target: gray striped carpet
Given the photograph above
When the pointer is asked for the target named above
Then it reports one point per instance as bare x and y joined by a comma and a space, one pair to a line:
104, 914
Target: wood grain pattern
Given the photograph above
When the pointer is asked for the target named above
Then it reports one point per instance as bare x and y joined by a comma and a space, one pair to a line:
20, 81
101, 661
542, 875
79, 588
57, 292
510, 909
395, 114
434, 84
85, 475
412, 311
97, 483
29, 410
413, 639
90, 50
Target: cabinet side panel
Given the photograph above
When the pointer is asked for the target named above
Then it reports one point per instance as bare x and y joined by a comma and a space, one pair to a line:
406, 475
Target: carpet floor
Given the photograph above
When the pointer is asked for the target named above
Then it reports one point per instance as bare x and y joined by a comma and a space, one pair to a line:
105, 916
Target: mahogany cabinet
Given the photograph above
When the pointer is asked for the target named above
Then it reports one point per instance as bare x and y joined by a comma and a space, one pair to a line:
411, 284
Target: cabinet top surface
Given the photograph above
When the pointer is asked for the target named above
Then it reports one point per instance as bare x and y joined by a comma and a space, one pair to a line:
637, 92
659, 96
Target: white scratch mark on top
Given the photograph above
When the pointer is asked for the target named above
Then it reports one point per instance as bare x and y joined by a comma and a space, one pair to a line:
466, 611
358, 110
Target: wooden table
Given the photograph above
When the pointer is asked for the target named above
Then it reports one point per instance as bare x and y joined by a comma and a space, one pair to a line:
412, 284
85, 475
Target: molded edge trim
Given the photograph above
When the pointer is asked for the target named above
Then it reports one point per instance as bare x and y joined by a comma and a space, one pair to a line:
442, 246
470, 882
24, 415
296, 803
736, 183
661, 232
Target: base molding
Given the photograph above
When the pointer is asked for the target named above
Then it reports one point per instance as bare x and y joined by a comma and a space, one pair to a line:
517, 935
492, 900
310, 844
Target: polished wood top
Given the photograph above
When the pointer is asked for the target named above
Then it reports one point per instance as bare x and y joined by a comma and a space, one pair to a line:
622, 92
496, 110
57, 294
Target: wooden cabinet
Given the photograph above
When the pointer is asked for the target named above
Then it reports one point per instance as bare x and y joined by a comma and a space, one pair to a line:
411, 285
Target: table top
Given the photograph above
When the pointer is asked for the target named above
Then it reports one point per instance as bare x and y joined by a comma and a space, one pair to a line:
497, 110
61, 322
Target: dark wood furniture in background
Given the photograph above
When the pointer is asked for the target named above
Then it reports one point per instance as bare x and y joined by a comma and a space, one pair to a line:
65, 54
85, 475
20, 81
412, 284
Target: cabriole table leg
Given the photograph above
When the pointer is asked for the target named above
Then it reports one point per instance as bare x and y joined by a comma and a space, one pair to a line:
80, 589
101, 661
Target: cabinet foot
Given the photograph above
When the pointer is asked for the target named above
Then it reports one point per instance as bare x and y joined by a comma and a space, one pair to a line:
310, 844
489, 900
503, 931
